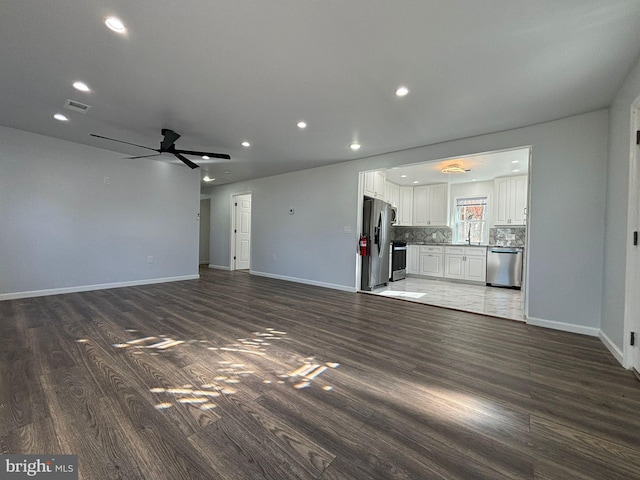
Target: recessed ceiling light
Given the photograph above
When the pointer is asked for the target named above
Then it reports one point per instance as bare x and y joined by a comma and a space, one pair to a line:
115, 24
302, 124
205, 157
227, 172
355, 146
515, 161
83, 87
207, 178
515, 170
416, 181
246, 144
402, 91
403, 176
61, 117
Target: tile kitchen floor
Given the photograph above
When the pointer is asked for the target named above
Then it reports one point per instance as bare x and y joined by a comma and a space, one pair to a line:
494, 301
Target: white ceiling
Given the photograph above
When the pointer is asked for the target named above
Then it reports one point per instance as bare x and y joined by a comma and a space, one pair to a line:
221, 72
480, 167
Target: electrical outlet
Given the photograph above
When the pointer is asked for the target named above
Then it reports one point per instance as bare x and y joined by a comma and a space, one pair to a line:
107, 180
150, 259
347, 229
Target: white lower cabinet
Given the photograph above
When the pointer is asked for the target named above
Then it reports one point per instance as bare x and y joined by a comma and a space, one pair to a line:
413, 259
431, 261
466, 263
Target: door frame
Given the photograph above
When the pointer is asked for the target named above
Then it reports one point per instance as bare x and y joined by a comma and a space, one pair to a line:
632, 273
232, 235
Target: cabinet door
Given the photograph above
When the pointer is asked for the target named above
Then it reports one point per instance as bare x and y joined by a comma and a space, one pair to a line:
475, 268
405, 206
413, 259
369, 184
421, 205
501, 192
454, 266
378, 185
518, 200
438, 203
431, 264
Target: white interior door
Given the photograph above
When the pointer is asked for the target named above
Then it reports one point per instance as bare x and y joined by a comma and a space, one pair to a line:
242, 232
635, 301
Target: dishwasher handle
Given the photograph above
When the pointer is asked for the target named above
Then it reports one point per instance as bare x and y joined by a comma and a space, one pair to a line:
511, 252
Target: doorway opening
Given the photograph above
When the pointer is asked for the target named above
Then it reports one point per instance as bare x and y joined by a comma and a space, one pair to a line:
438, 213
241, 232
205, 230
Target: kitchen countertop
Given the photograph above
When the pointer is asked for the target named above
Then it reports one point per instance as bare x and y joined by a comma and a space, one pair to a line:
486, 245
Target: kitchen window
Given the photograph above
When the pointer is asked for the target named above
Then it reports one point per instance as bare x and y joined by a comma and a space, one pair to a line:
471, 220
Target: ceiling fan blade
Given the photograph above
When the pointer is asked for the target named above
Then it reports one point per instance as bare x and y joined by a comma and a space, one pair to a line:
169, 139
121, 141
186, 161
142, 156
202, 154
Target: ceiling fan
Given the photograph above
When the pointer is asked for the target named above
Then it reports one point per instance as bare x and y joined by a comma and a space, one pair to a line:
168, 146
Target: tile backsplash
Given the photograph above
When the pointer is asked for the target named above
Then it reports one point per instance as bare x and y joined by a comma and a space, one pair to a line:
422, 234
509, 237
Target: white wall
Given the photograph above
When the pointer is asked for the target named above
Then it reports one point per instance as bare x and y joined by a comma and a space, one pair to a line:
566, 219
621, 218
64, 229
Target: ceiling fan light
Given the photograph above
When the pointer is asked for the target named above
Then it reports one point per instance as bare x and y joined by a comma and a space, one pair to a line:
453, 168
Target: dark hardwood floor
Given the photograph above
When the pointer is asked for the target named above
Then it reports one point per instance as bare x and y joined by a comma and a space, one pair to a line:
235, 376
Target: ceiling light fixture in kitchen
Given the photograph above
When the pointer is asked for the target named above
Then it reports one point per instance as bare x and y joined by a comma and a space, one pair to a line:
207, 178
453, 168
355, 146
61, 117
205, 157
246, 144
302, 125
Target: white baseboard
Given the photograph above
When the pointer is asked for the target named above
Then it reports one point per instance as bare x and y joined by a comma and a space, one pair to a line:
219, 267
305, 281
565, 327
613, 348
87, 288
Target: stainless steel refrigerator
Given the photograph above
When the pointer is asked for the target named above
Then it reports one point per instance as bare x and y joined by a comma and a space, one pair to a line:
376, 227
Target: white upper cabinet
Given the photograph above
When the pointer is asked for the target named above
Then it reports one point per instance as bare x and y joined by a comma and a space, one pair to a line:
511, 200
430, 205
392, 192
374, 184
405, 206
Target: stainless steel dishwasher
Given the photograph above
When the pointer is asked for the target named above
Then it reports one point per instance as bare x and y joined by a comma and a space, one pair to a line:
504, 266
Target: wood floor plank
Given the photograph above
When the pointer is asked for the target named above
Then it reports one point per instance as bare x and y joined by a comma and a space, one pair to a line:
235, 376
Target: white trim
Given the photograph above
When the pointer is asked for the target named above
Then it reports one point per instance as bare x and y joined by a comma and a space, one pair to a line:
88, 288
613, 348
220, 267
565, 327
333, 286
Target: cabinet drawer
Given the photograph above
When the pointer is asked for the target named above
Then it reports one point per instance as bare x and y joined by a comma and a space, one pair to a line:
454, 250
424, 249
473, 251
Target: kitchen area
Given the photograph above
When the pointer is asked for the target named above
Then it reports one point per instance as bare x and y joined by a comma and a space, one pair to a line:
456, 233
